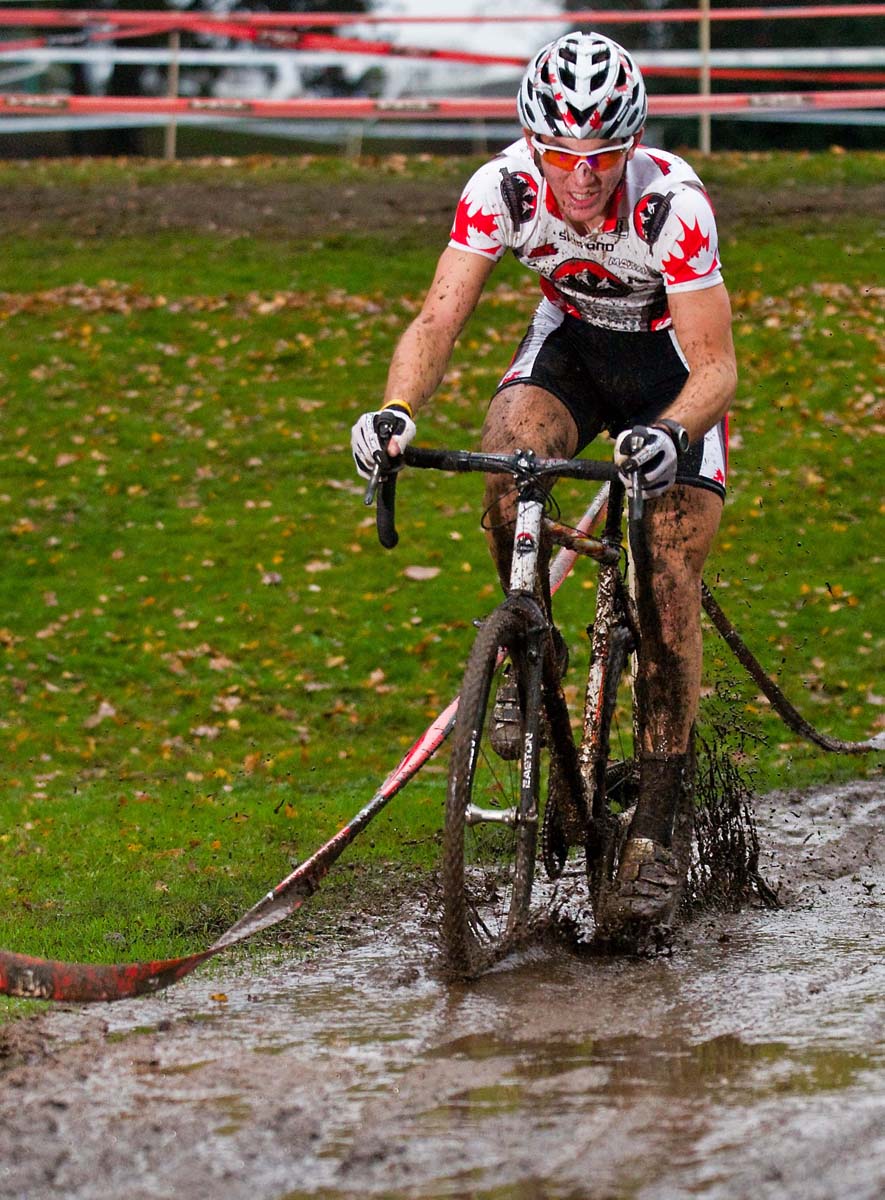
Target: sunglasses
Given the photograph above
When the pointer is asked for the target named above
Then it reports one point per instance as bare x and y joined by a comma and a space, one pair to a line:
567, 160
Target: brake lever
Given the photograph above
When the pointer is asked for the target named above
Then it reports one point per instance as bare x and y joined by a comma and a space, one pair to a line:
636, 505
384, 464
374, 482
382, 486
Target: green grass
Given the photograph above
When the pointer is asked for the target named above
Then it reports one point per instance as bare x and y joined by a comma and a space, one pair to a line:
93, 175
762, 172
207, 664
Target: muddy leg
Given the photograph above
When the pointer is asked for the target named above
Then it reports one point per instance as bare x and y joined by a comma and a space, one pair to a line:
669, 554
520, 418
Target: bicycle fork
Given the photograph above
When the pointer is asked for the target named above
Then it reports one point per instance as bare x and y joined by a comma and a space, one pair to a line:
521, 593
526, 811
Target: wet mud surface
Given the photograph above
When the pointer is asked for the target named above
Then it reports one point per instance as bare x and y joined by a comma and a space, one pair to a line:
750, 1063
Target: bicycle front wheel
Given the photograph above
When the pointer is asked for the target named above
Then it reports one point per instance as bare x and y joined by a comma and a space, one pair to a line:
492, 805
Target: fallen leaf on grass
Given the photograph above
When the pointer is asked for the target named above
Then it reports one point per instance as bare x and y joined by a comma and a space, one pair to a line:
105, 711
421, 573
206, 731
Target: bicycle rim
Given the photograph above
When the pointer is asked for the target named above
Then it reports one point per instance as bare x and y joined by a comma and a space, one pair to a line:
491, 825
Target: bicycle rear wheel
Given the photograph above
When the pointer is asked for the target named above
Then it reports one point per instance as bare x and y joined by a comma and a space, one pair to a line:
492, 805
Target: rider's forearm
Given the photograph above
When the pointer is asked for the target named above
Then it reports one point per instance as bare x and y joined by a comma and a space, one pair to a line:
418, 364
702, 324
705, 399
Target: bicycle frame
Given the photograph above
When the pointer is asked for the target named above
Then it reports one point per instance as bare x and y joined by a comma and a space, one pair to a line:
526, 544
487, 873
612, 605
614, 611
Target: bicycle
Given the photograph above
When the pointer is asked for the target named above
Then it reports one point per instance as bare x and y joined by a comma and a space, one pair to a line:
494, 810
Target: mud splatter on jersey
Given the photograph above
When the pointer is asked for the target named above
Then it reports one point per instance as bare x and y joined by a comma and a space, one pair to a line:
659, 236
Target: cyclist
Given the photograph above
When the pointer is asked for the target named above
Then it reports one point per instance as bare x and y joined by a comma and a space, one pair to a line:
632, 335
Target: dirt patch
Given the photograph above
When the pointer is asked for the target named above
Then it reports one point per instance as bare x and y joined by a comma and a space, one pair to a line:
266, 209
294, 210
357, 1071
23, 1043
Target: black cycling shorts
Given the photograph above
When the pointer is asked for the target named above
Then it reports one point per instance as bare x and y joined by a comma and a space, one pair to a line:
609, 379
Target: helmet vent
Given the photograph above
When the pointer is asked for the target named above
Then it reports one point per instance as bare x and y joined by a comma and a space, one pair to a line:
582, 85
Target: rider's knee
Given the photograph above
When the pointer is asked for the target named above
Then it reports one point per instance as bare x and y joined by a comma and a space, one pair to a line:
528, 418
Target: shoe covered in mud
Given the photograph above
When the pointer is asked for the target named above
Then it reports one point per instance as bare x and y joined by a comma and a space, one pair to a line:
645, 893
505, 734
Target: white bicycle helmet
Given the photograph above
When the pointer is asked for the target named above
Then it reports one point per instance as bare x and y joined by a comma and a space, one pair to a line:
583, 85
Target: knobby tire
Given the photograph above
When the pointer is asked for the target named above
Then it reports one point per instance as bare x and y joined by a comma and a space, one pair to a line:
610, 781
487, 869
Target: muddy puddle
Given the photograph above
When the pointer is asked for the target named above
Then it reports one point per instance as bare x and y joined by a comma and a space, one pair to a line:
751, 1063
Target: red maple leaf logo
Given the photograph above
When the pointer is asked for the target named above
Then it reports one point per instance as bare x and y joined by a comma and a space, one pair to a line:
692, 257
476, 227
661, 163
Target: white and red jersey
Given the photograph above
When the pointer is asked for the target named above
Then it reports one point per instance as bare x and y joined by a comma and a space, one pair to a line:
658, 236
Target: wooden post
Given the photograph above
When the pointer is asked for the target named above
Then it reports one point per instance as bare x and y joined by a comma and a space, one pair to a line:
172, 93
353, 146
480, 138
704, 132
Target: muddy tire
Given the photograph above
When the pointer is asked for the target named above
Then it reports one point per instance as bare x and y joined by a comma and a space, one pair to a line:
684, 826
488, 864
614, 782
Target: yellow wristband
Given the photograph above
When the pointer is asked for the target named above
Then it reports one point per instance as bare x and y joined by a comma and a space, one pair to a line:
403, 404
